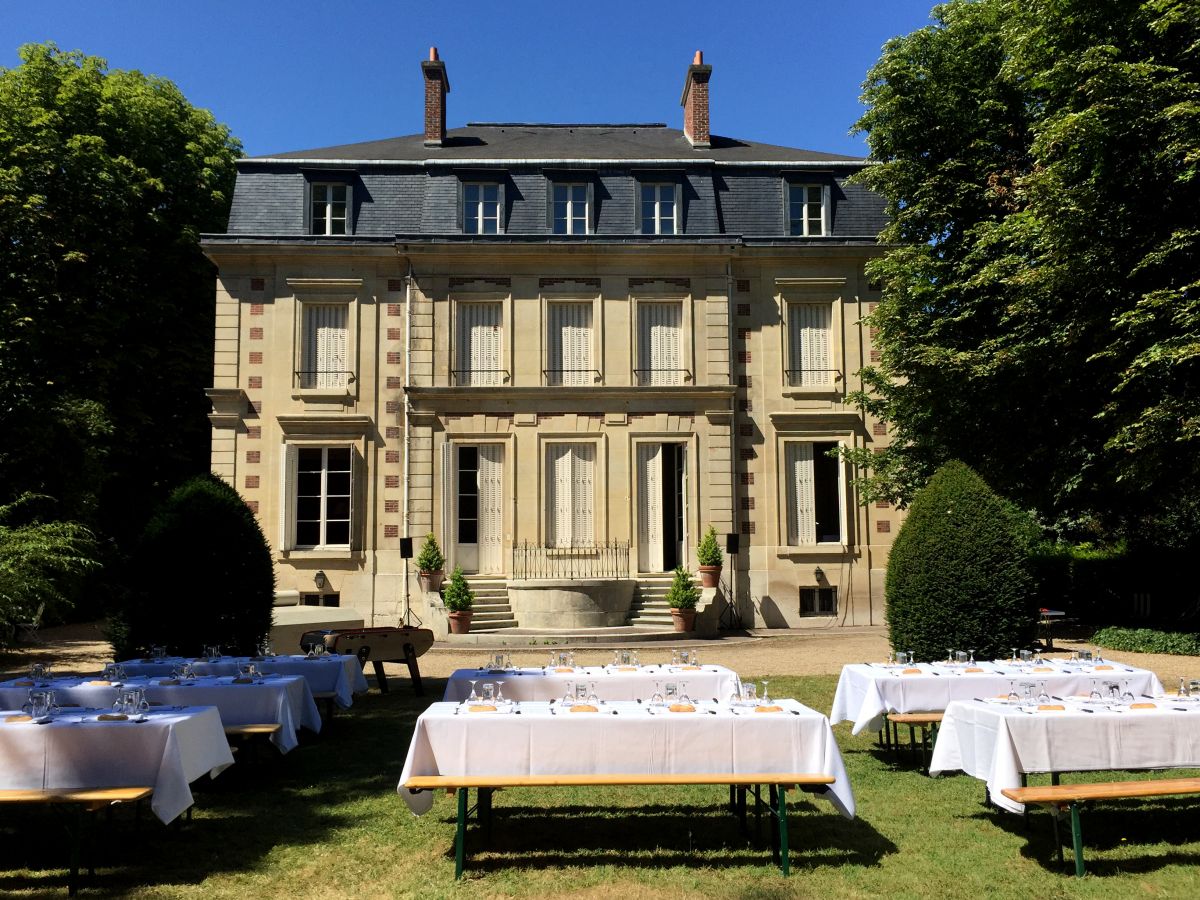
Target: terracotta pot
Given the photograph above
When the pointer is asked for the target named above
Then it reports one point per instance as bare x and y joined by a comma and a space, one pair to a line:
684, 619
710, 576
460, 622
431, 582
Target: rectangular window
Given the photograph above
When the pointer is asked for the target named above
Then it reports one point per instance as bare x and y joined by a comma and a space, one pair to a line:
481, 208
806, 210
324, 357
809, 337
569, 351
480, 348
819, 601
323, 496
321, 599
658, 209
813, 494
569, 494
570, 209
468, 495
330, 205
660, 344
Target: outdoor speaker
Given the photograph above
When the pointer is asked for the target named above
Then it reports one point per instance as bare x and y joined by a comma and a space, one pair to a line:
731, 544
406, 548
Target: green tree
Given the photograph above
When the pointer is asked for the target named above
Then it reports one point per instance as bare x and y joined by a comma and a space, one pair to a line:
107, 178
204, 572
1040, 317
958, 573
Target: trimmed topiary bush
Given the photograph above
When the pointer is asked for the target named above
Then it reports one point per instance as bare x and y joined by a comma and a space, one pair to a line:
458, 597
683, 593
958, 573
204, 573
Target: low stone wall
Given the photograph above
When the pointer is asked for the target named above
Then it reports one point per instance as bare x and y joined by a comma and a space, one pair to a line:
566, 603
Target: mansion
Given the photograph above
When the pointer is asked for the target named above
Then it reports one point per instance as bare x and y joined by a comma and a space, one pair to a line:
565, 350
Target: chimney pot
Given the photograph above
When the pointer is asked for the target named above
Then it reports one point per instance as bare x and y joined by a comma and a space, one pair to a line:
698, 60
695, 103
437, 86
433, 54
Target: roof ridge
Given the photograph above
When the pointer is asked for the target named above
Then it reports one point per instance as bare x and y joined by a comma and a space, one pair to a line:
566, 125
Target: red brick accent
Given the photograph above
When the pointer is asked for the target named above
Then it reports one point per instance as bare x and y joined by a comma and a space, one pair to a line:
256, 334
883, 526
253, 505
256, 309
744, 356
392, 431
747, 477
254, 381
253, 456
257, 284
871, 307
392, 406
395, 382
436, 88
393, 359
395, 284
391, 506
254, 432
395, 309
747, 527
743, 285
743, 309
256, 358
746, 405
747, 503
391, 531
882, 504
746, 381
256, 406
251, 481
873, 331
695, 103
746, 430
395, 334
876, 356
879, 428
391, 456
391, 481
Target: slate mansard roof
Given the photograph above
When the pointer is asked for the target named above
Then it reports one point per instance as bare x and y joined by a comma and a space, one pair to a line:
404, 189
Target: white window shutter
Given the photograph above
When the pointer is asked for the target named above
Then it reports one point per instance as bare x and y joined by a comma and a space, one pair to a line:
491, 506
801, 500
287, 498
570, 348
324, 356
809, 340
659, 342
582, 491
650, 535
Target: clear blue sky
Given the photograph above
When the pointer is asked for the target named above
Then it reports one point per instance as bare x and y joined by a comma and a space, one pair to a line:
314, 73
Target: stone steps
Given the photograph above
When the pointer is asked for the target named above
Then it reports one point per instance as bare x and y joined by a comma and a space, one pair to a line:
649, 607
491, 610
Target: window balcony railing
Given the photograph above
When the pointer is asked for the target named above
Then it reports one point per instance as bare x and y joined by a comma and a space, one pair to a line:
651, 377
606, 560
309, 379
569, 377
814, 378
479, 377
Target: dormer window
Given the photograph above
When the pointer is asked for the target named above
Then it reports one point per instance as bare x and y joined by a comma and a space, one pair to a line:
658, 209
329, 208
482, 206
807, 210
570, 208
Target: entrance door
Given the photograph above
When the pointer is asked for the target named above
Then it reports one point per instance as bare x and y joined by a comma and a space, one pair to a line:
661, 506
479, 511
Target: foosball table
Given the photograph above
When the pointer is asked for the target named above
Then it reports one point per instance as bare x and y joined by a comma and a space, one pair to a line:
377, 646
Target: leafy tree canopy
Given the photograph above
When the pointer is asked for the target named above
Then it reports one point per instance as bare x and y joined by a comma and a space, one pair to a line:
107, 178
1041, 296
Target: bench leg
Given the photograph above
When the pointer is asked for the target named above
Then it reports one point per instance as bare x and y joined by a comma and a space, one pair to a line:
785, 866
76, 851
460, 837
1055, 812
775, 833
1077, 840
484, 806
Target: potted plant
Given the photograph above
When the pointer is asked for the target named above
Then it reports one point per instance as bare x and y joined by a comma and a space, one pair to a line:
682, 598
459, 599
709, 554
430, 563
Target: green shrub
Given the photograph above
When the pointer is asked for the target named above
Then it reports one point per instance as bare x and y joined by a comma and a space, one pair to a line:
204, 574
458, 596
683, 593
1147, 640
430, 559
708, 551
958, 573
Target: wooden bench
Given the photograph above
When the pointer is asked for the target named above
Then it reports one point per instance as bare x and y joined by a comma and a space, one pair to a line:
253, 730
485, 784
1071, 796
328, 697
83, 800
928, 722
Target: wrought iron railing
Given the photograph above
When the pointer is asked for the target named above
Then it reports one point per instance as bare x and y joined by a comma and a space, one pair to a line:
818, 378
323, 378
606, 560
570, 377
480, 377
644, 377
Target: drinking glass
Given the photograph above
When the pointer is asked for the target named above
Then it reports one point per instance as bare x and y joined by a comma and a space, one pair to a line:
912, 658
1026, 656
950, 655
616, 657
489, 692
553, 660
1114, 691
1096, 655
674, 657
633, 659
1126, 694
891, 658
568, 699
581, 692
591, 697
472, 697
1013, 658
970, 657
499, 693
683, 693
1027, 686
1095, 694
1183, 687
1043, 697
1013, 696
960, 656
696, 658
749, 692
672, 692
685, 657
735, 698
571, 658
656, 699
766, 699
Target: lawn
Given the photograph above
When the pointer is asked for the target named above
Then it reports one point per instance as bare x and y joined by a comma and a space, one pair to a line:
326, 820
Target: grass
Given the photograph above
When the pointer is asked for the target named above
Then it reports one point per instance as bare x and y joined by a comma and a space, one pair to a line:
325, 820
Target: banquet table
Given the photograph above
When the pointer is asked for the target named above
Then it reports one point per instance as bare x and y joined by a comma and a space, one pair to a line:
866, 692
612, 682
330, 673
623, 737
168, 751
999, 742
285, 699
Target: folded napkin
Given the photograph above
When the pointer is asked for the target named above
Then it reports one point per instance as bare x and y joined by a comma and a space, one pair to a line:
768, 709
99, 682
564, 669
111, 717
18, 718
1042, 669
1051, 707
626, 668
1100, 668
972, 669
583, 707
22, 684
689, 668
682, 707
911, 672
168, 682
240, 680
1143, 706
482, 707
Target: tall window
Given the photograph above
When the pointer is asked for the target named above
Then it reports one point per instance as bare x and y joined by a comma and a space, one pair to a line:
658, 209
570, 210
810, 361
322, 496
660, 344
569, 494
481, 208
325, 338
806, 210
569, 356
814, 494
480, 348
330, 203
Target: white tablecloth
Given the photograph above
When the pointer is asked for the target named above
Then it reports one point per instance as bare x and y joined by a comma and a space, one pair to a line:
868, 691
341, 675
167, 752
612, 682
285, 699
545, 739
998, 742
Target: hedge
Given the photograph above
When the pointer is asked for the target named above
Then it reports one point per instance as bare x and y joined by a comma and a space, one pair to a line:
1147, 640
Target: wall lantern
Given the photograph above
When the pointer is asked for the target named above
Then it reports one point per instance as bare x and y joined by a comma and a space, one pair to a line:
319, 579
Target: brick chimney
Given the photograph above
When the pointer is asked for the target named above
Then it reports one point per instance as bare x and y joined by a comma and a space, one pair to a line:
695, 103
437, 86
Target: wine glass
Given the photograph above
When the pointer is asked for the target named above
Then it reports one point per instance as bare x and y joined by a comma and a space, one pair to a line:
472, 697
674, 657
656, 699
766, 699
1043, 697
735, 698
591, 697
970, 657
1095, 694
949, 655
499, 694
683, 694
1183, 687
1126, 694
1013, 658
568, 699
1013, 696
